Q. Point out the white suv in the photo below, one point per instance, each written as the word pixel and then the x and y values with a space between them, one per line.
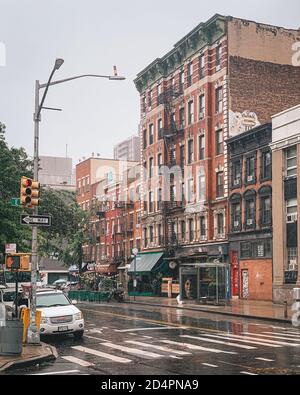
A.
pixel 59 315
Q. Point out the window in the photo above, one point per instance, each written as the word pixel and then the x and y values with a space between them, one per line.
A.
pixel 145 203
pixel 151 134
pixel 190 151
pixel 150 167
pixel 159 199
pixel 291 161
pixel 191 230
pixel 78 187
pixel 158 89
pixel 150 99
pixel 266 210
pixel 190 74
pixel 250 210
pixel 183 230
pixel 201 188
pixel 145 139
pixel 201 106
pixel 182 156
pixel 220 185
pixel 266 165
pixel 256 249
pixel 202 228
pixel 250 170
pixel 190 112
pixel 218 57
pixel 236 174
pixel 292 259
pixel 181 81
pixel 219 100
pixel 151 234
pixel 173 121
pixel 173 232
pixel 173 156
pixel 220 225
pixel 236 215
pixel 191 190
pixel 219 142
pixel 159 162
pixel 202 66
pixel 145 238
pixel 159 129
pixel 144 105
pixel 181 118
pixel 138 218
pixel 202 147
pixel 159 233
pixel 150 202
pixel 138 244
pixel 291 210
pixel 87 184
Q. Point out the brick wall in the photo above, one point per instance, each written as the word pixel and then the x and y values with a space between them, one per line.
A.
pixel 261 87
pixel 260 278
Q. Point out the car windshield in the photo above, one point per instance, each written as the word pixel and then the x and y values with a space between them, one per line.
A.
pixel 52 300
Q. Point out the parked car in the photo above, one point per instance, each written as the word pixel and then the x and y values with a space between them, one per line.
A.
pixel 59 314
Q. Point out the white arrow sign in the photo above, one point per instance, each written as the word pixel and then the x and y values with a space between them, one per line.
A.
pixel 39 220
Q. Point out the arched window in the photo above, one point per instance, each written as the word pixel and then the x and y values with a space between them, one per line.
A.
pixel 236 212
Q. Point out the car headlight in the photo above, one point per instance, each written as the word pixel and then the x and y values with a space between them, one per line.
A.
pixel 78 316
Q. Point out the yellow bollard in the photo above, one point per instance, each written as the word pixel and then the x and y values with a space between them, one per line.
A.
pixel 25 316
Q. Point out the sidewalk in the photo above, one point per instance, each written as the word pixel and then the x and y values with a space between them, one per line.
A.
pixel 31 355
pixel 267 311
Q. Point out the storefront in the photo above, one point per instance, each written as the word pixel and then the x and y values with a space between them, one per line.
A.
pixel 206 282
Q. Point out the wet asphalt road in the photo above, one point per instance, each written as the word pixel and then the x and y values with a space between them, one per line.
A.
pixel 127 339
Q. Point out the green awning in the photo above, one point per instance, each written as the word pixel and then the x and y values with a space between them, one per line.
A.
pixel 145 263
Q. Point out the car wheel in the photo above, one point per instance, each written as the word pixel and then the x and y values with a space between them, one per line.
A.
pixel 78 335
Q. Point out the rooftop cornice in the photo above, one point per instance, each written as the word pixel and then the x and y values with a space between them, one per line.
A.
pixel 202 35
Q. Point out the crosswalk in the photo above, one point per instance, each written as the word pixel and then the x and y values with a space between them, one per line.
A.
pixel 177 346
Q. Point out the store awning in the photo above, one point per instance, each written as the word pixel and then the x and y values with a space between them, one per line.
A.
pixel 145 263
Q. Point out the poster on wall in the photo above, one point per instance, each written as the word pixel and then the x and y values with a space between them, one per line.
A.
pixel 189 286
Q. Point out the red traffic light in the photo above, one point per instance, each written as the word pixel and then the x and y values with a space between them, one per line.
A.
pixel 28 183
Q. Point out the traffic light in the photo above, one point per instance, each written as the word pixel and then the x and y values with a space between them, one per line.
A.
pixel 18 262
pixel 29 192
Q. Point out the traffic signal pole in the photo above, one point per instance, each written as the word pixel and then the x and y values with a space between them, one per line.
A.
pixel 33 336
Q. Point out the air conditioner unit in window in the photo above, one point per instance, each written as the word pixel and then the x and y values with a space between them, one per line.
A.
pixel 250 222
pixel 237 182
pixel 293 267
pixel 202 238
pixel 201 115
pixel 236 224
pixel 250 178
pixel 292 218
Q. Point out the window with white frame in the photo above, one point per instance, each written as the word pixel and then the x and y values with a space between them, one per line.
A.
pixel 219 100
pixel 151 134
pixel 151 167
pixel 201 187
pixel 190 151
pixel 218 56
pixel 190 74
pixel 190 190
pixel 181 81
pixel 190 112
pixel 201 106
pixel 202 66
pixel 220 225
pixel 160 128
pixel 291 161
pixel 202 227
pixel 202 147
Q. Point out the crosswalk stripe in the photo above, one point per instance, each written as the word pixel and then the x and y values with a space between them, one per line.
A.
pixel 244 341
pixel 265 359
pixel 160 348
pixel 78 361
pixel 210 366
pixel 95 338
pixel 147 329
pixel 249 373
pixel 219 342
pixel 52 373
pixel 272 337
pixel 286 334
pixel 194 347
pixel 101 354
pixel 263 340
pixel 134 351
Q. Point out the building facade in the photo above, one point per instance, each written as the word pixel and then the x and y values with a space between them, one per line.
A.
pixel 128 149
pixel 250 214
pixel 225 77
pixel 286 158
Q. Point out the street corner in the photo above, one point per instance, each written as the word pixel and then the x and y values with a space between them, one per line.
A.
pixel 31 355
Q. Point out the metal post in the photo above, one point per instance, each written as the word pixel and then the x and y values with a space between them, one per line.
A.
pixel 16 298
pixel 33 333
pixel 134 281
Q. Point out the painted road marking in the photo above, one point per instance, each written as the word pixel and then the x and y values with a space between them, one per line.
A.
pixel 272 337
pixel 173 356
pixel 160 348
pixel 147 329
pixel 249 374
pixel 263 340
pixel 101 354
pixel 147 337
pixel 265 359
pixel 52 373
pixel 219 342
pixel 286 334
pixel 243 341
pixel 209 365
pixel 78 361
pixel 134 351
pixel 132 334
pixel 95 338
pixel 194 347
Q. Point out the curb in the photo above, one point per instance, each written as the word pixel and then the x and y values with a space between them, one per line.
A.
pixel 224 313
pixel 50 356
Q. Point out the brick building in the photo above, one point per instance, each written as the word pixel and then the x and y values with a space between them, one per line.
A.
pixel 250 213
pixel 223 78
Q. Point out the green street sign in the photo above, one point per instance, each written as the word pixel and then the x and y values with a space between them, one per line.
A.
pixel 15 202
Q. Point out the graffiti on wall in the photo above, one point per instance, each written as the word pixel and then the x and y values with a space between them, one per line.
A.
pixel 241 122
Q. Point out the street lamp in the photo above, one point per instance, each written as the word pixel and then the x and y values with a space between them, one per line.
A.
pixel 33 333
pixel 135 251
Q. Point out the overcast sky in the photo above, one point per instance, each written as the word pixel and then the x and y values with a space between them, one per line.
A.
pixel 91 36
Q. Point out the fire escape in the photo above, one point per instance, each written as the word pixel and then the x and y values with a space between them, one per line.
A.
pixel 170 133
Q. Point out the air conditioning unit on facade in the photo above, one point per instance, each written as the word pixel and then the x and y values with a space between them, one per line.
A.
pixel 237 182
pixel 236 224
pixel 203 238
pixel 293 267
pixel 201 115
pixel 250 222
pixel 290 219
pixel 250 178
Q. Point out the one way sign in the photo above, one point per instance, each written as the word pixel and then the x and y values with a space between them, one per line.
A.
pixel 37 220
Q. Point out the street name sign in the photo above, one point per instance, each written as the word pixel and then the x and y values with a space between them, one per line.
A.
pixel 15 202
pixel 36 220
